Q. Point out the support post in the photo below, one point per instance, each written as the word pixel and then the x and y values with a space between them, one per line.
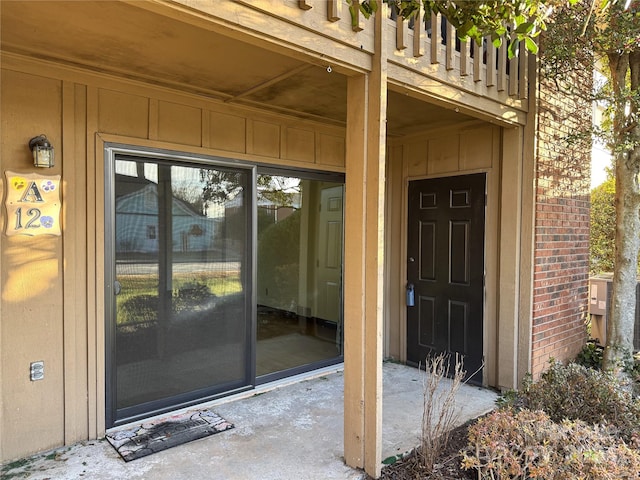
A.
pixel 364 261
pixel 510 257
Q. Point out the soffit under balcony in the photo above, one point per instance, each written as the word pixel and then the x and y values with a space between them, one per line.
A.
pixel 121 39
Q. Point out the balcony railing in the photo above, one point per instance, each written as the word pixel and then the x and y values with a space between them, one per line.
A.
pixel 433 41
pixel 421 45
pixel 428 47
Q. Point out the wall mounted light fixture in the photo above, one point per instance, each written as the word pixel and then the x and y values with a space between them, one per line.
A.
pixel 42 150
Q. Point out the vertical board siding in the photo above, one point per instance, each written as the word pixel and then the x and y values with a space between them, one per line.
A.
pixel 416 154
pixel 179 124
pixel 300 145
pixel 227 132
pixel 477 149
pixel 330 150
pixel 223 129
pixel 264 139
pixel 31 280
pixel 123 114
pixel 444 154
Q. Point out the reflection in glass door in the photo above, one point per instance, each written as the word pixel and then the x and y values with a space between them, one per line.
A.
pixel 299 274
pixel 181 311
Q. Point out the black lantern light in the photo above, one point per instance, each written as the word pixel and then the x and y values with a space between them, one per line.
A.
pixel 42 150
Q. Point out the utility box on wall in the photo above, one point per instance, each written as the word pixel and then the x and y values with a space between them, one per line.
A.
pixel 600 289
pixel 599 299
pixel 599 294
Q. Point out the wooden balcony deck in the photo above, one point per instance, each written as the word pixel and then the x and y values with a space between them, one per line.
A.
pixel 275 55
pixel 413 49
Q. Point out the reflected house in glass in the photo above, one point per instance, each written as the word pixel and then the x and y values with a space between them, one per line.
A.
pixel 137 225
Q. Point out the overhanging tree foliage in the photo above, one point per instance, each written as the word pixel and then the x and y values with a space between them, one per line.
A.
pixel 603 227
pixel 510 20
pixel 609 30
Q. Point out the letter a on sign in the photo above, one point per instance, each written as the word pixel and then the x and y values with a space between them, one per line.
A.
pixel 33 204
pixel 32 194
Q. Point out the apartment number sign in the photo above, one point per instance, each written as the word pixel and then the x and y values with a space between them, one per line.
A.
pixel 33 204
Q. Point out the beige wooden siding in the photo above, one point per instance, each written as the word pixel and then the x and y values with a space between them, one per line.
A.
pixel 75 275
pixel 449 152
pixel 51 287
pixel 31 283
pixel 300 144
pixel 477 149
pixel 227 132
pixel 123 114
pixel 264 139
pixel 179 124
pixel 444 155
pixel 220 128
pixel 330 150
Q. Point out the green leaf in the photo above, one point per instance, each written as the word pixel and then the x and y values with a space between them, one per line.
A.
pixel 524 28
pixel 391 460
pixel 513 46
pixel 531 45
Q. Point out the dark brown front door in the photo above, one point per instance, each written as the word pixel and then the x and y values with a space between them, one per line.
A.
pixel 445 266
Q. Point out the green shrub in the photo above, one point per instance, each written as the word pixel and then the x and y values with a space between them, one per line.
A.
pixel 575 392
pixel 603 224
pixel 591 355
pixel 279 262
pixel 529 445
pixel 634 370
pixel 192 295
pixel 138 309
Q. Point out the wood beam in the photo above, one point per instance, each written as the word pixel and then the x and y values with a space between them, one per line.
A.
pixel 527 232
pixel 364 261
pixel 464 58
pixel 354 271
pixel 450 47
pixel 272 81
pixel 435 37
pixel 491 63
pixel 477 61
pixel 334 10
pixel 509 257
pixel 418 33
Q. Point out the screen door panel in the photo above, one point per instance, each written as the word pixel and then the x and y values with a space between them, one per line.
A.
pixel 181 292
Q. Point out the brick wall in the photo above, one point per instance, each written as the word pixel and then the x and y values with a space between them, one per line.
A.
pixel 561 265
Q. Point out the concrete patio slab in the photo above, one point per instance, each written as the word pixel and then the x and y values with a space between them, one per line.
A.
pixel 293 430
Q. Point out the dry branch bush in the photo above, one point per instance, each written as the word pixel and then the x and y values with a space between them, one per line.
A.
pixel 440 413
pixel 575 392
pixel 529 445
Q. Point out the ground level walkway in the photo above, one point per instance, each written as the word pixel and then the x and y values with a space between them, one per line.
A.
pixel 292 432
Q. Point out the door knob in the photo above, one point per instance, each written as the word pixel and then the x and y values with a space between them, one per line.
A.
pixel 411 259
pixel 117 287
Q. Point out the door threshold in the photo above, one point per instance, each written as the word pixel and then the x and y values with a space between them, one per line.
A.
pixel 248 393
pixel 267 387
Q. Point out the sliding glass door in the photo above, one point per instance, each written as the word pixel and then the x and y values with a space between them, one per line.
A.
pixel 299 273
pixel 217 278
pixel 182 309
